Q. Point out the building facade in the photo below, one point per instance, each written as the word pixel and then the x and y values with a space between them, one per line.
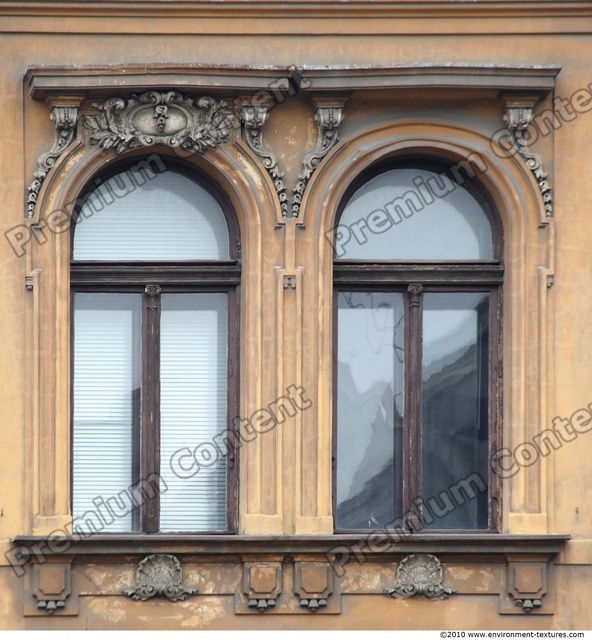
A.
pixel 292 293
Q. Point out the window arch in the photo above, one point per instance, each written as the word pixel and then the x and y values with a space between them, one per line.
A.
pixel 418 273
pixel 457 222
pixel 154 278
pixel 180 220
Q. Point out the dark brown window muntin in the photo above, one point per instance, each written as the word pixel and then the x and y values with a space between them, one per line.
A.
pixel 152 279
pixel 485 276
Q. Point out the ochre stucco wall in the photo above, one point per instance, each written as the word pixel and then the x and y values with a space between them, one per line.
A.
pixel 285 476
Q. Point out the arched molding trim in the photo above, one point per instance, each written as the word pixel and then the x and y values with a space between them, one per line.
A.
pixel 47 258
pixel 529 258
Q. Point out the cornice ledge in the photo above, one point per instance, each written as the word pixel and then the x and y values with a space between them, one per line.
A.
pixel 293 9
pixel 497 546
pixel 43 81
pixel 94 81
pixel 537 79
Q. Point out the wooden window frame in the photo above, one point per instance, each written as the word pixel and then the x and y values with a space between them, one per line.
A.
pixel 414 279
pixel 152 279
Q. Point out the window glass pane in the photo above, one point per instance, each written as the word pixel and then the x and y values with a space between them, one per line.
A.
pixel 455 394
pixel 145 215
pixel 193 409
pixel 107 343
pixel 413 214
pixel 369 408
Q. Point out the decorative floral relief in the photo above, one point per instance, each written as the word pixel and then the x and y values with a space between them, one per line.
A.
pixel 160 117
pixel 419 575
pixel 159 575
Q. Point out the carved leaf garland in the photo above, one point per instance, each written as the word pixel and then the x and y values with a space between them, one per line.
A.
pixel 160 117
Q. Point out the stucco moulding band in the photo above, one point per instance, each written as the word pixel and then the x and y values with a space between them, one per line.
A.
pixel 43 82
pixel 357 16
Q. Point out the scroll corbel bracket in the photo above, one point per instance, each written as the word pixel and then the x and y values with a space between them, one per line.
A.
pixel 328 116
pixel 253 119
pixel 64 115
pixel 517 118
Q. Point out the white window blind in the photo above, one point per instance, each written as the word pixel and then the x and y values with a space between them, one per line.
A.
pixel 193 408
pixel 107 343
pixel 167 217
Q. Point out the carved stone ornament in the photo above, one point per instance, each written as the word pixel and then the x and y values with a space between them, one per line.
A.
pixel 253 120
pixel 328 119
pixel 517 119
pixel 527 584
pixel 51 586
pixel 289 282
pixel 313 583
pixel 262 584
pixel 64 119
pixel 159 575
pixel 152 290
pixel 414 294
pixel 160 117
pixel 419 575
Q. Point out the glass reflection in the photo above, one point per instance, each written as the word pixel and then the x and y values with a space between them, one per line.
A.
pixel 414 214
pixel 369 408
pixel 455 395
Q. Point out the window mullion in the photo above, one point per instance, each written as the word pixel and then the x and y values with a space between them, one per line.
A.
pixel 137 424
pixel 150 422
pixel 412 457
pixel 233 406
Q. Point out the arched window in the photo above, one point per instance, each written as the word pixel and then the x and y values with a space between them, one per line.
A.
pixel 418 273
pixel 154 279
